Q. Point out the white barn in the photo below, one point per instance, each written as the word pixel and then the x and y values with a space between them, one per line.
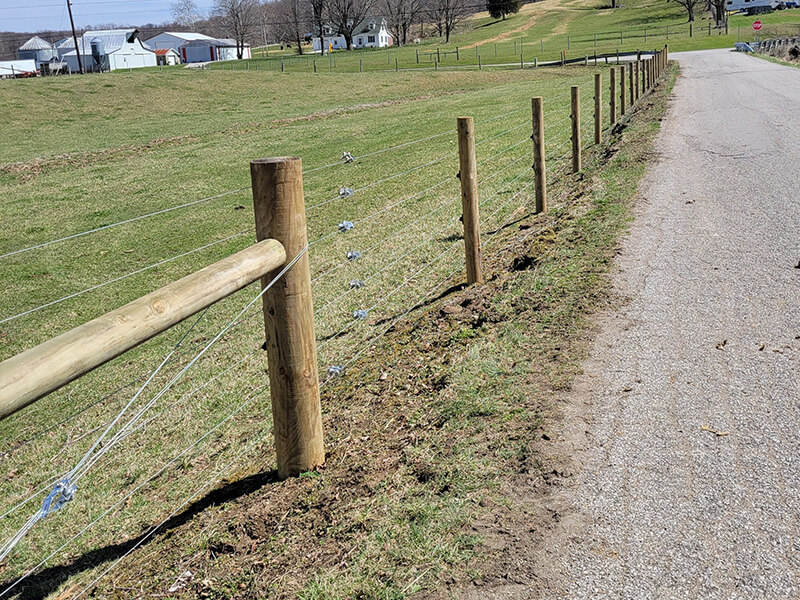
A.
pixel 211 49
pixel 372 32
pixel 107 50
pixel 172 40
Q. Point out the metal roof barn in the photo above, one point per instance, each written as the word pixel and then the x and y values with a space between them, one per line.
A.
pixel 108 50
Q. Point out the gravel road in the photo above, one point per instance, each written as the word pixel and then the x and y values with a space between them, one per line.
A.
pixel 690 483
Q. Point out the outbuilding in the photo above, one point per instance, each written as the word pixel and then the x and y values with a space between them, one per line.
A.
pixel 108 50
pixel 210 50
pixel 172 40
pixel 167 56
pixel 38 50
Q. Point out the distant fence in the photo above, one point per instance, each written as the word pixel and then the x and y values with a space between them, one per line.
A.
pixel 280 259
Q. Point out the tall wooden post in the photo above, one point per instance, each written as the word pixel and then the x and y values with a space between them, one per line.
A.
pixel 576 128
pixel 622 92
pixel 468 174
pixel 289 317
pixel 598 108
pixel 612 117
pixel 631 84
pixel 637 69
pixel 539 170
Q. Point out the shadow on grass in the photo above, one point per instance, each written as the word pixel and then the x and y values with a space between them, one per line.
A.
pixel 48 580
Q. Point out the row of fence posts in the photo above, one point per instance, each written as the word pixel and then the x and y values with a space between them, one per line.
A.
pixel 296 404
pixel 280 219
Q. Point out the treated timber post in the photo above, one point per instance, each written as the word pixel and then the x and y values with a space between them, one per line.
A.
pixel 575 114
pixel 613 97
pixel 637 69
pixel 539 170
pixel 598 108
pixel 468 174
pixel 622 94
pixel 631 84
pixel 289 317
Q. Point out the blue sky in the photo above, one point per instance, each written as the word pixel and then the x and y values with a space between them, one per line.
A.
pixel 36 15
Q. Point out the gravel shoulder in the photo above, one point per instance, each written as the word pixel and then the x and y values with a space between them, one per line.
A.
pixel 684 430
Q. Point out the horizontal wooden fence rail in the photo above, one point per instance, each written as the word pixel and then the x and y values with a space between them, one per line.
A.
pixel 36 372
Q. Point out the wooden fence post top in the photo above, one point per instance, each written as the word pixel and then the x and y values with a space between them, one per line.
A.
pixel 275 160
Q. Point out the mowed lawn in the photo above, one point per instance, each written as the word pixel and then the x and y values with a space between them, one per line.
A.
pixel 82 153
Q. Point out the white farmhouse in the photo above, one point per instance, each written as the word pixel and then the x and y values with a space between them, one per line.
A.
pixel 107 50
pixel 372 32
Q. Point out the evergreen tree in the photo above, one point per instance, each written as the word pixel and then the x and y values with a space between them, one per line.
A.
pixel 501 8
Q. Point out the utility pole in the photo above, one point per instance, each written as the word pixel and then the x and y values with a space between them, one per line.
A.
pixel 75 37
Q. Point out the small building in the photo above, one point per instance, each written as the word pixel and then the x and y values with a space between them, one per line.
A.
pixel 107 50
pixel 167 56
pixel 172 40
pixel 38 50
pixel 211 49
pixel 372 32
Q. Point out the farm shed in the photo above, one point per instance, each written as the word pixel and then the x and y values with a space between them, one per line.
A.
pixel 108 50
pixel 37 49
pixel 211 50
pixel 372 32
pixel 167 56
pixel 172 40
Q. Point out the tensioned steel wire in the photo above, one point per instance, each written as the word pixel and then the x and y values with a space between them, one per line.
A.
pixel 221 195
pixel 403 285
pixel 66 488
pixel 216 476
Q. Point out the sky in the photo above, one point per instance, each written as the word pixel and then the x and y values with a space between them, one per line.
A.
pixel 40 15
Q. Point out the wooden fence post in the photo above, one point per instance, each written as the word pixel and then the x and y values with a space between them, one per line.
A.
pixel 289 317
pixel 637 69
pixel 576 128
pixel 613 97
pixel 468 174
pixel 631 84
pixel 622 91
pixel 598 108
pixel 539 169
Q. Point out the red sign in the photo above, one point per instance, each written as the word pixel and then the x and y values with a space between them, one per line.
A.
pixel 756 25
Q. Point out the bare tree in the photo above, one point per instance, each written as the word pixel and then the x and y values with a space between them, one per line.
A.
pixel 292 18
pixel 400 15
pixel 239 18
pixel 185 13
pixel 689 5
pixel 720 11
pixel 446 14
pixel 346 16
pixel 319 14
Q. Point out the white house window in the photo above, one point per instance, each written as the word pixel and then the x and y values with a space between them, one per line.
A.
pixel 371 39
pixel 360 41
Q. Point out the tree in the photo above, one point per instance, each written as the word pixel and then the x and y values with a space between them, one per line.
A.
pixel 720 11
pixel 319 12
pixel 446 14
pixel 346 16
pixel 501 8
pixel 239 18
pixel 688 5
pixel 400 16
pixel 185 13
pixel 292 18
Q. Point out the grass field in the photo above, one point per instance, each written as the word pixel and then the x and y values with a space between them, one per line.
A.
pixel 122 145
